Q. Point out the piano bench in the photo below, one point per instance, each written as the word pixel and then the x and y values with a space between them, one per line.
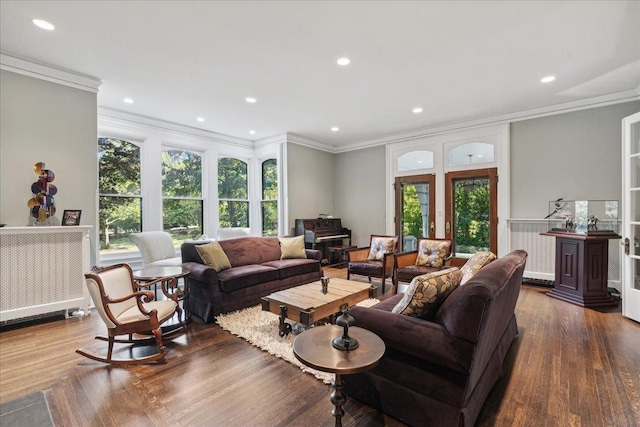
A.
pixel 339 253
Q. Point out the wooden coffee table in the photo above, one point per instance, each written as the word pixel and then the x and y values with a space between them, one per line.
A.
pixel 307 304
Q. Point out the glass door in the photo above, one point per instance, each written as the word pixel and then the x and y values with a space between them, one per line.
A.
pixel 471 211
pixel 631 217
pixel 415 209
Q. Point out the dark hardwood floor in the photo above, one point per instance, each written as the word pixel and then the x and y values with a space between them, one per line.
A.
pixel 569 366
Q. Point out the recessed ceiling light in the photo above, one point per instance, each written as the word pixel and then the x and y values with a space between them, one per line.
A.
pixel 252 132
pixel 335 129
pixel 547 79
pixel 417 110
pixel 43 24
pixel 128 100
pixel 200 119
pixel 250 100
pixel 344 61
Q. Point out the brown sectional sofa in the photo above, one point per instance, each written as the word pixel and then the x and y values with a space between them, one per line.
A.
pixel 256 271
pixel 439 373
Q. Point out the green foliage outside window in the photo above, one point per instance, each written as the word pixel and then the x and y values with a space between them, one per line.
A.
pixel 182 192
pixel 233 193
pixel 269 205
pixel 411 212
pixel 120 201
pixel 471 221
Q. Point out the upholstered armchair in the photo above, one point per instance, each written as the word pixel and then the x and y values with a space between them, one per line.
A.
pixel 127 308
pixel 156 248
pixel 375 260
pixel 431 255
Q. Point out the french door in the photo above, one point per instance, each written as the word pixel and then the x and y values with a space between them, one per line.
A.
pixel 631 216
pixel 471 211
pixel 415 209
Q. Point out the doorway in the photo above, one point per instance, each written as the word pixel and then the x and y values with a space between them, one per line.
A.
pixel 415 202
pixel 471 212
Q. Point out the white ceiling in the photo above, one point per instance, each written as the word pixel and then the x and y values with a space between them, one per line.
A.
pixel 459 61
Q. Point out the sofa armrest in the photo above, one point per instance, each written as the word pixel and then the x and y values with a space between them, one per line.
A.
pixel 425 340
pixel 405 259
pixel 313 254
pixel 358 254
pixel 201 272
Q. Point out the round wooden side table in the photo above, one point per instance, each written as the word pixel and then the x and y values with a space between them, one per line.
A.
pixel 313 348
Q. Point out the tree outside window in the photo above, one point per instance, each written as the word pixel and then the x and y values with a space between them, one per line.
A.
pixel 233 195
pixel 120 200
pixel 182 206
pixel 269 202
pixel 472 225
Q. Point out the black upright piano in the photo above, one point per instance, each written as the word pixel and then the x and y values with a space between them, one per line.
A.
pixel 322 233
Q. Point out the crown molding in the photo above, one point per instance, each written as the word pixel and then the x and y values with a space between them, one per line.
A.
pixel 533 113
pixel 108 114
pixel 49 73
pixel 297 139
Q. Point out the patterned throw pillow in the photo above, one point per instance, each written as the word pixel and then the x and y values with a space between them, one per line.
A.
pixel 474 264
pixel 213 255
pixel 381 246
pixel 427 292
pixel 292 247
pixel 431 253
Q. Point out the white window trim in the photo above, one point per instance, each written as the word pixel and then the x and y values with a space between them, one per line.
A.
pixel 498 135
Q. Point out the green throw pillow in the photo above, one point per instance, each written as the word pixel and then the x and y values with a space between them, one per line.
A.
pixel 213 255
pixel 292 247
pixel 427 292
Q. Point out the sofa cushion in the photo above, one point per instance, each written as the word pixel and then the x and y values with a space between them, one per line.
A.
pixel 294 267
pixel 474 264
pixel 213 255
pixel 251 250
pixel 381 246
pixel 426 293
pixel 245 275
pixel 292 247
pixel 432 253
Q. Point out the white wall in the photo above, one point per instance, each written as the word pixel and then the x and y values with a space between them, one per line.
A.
pixel 41 121
pixel 310 182
pixel 360 192
pixel 574 155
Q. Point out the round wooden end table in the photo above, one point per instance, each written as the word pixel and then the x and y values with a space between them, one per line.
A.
pixel 313 348
pixel 169 281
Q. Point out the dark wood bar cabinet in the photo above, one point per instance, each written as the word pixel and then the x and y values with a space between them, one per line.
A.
pixel 582 262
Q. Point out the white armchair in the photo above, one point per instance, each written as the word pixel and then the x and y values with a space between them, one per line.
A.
pixel 156 248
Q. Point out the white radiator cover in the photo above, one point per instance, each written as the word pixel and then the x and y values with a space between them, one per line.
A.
pixel 525 234
pixel 42 270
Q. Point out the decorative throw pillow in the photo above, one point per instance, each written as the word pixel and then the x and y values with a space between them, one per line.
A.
pixel 292 247
pixel 431 253
pixel 381 246
pixel 474 264
pixel 427 292
pixel 213 255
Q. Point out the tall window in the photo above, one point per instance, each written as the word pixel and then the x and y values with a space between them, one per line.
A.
pixel 233 194
pixel 269 202
pixel 120 204
pixel 182 194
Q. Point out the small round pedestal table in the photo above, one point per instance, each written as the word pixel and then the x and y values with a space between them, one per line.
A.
pixel 166 273
pixel 313 348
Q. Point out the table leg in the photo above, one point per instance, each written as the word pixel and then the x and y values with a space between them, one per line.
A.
pixel 284 328
pixel 338 399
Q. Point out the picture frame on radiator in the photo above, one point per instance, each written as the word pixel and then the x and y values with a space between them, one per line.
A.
pixel 71 217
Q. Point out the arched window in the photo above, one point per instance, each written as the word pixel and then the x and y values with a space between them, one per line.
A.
pixel 120 204
pixel 471 154
pixel 419 159
pixel 269 202
pixel 182 194
pixel 233 194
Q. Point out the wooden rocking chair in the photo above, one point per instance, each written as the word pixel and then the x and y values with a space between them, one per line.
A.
pixel 127 310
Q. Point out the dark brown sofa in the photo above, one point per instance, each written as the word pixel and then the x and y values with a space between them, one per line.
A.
pixel 256 271
pixel 439 373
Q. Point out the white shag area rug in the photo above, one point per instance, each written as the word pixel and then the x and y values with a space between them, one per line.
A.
pixel 260 328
